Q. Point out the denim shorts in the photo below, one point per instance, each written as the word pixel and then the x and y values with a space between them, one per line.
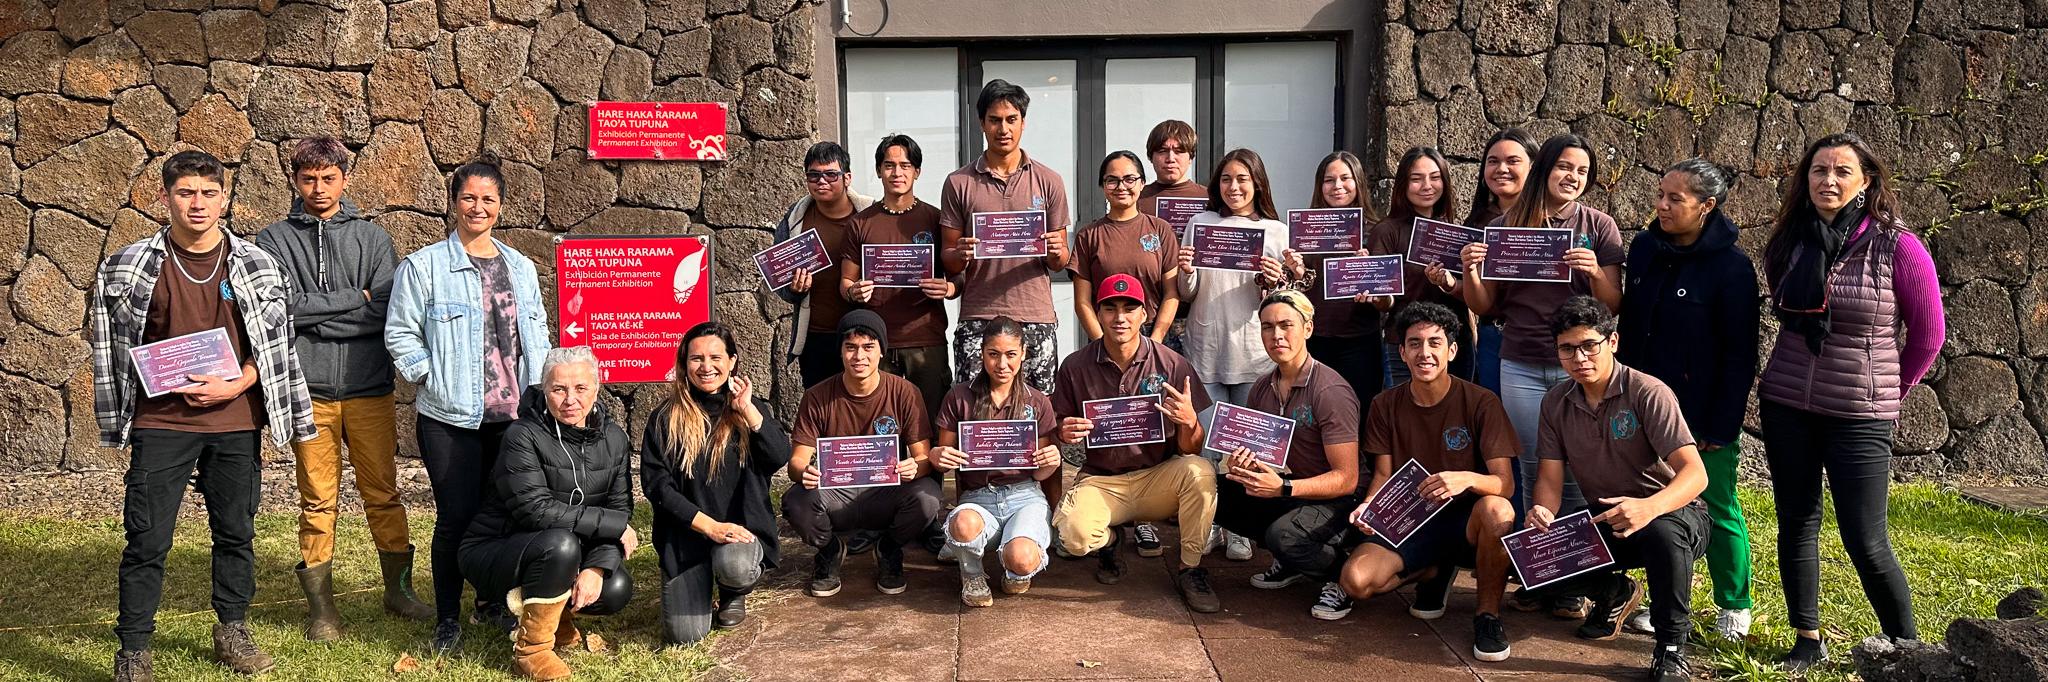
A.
pixel 1008 512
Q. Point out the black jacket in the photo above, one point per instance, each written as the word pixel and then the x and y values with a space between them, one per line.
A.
pixel 532 486
pixel 739 494
pixel 1689 317
pixel 337 332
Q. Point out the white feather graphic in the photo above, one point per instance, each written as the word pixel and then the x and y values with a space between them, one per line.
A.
pixel 686 276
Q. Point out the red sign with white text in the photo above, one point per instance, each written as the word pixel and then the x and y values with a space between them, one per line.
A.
pixel 662 131
pixel 631 299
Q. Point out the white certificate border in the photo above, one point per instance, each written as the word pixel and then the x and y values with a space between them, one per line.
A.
pixel 1596 535
pixel 1165 423
pixel 1400 283
pixel 1286 444
pixel 930 249
pixel 1192 238
pixel 1034 441
pixel 136 362
pixel 1418 527
pixel 800 235
pixel 817 459
pixel 978 241
pixel 1362 228
pixel 1567 270
pixel 1412 227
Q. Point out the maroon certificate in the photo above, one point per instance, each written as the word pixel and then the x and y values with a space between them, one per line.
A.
pixel 164 365
pixel 1130 420
pixel 1326 230
pixel 1009 234
pixel 1228 247
pixel 1527 254
pixel 1267 436
pixel 857 462
pixel 1441 243
pixel 896 265
pixel 779 263
pixel 1179 211
pixel 1374 275
pixel 1573 545
pixel 999 445
pixel 1397 510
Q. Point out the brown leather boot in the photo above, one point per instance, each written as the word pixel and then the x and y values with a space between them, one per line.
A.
pixel 533 644
pixel 323 622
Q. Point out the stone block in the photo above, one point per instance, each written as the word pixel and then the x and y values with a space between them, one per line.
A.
pixel 577 188
pixel 675 15
pixel 623 19
pixel 1584 21
pixel 1802 66
pixel 1649 20
pixel 568 57
pixel 216 127
pixel 43 297
pixel 182 85
pixel 796 44
pixel 358 33
pixel 777 106
pixel 769 166
pixel 1981 320
pixel 683 54
pixel 1462 126
pixel 1397 64
pixel 107 65
pixel 1923 426
pixel 14 224
pixel 400 86
pixel 49 122
pixel 414 24
pixel 262 192
pixel 90 177
pixel 1516 28
pixel 1985 245
pixel 454 126
pixel 80 20
pixel 1444 61
pixel 525 196
pixel 299 35
pixel 232 80
pixel 489 59
pixel 395 171
pixel 738 44
pixel 32 424
pixel 1407 126
pixel 661 184
pixel 233 34
pixel 143 112
pixel 1976 388
pixel 32 62
pixel 629 76
pixel 1577 77
pixel 2007 445
pixel 1881 659
pixel 1927 75
pixel 169 37
pixel 1702 24
pixel 290 103
pixel 522 11
pixel 1866 70
pixel 520 123
pixel 1513 87
pixel 45 358
pixel 70 242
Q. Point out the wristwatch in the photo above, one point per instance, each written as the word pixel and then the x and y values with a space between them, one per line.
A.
pixel 1287 487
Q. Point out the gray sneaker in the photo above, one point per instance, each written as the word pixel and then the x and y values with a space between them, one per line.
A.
pixel 233 647
pixel 974 591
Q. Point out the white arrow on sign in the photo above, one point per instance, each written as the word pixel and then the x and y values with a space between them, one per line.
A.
pixel 574 330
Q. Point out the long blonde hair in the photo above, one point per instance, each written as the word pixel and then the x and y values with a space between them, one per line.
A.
pixel 689 428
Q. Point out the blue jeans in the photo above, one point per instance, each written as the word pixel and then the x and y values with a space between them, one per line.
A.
pixel 1486 356
pixel 1521 394
pixel 1008 512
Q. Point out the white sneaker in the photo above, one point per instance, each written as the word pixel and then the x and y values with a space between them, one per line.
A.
pixel 1215 540
pixel 1732 623
pixel 1640 622
pixel 1237 547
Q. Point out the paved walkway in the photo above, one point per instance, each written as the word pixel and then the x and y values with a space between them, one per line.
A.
pixel 1070 627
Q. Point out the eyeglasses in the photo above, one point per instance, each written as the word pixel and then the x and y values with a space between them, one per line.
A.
pixel 827 177
pixel 1588 349
pixel 1115 181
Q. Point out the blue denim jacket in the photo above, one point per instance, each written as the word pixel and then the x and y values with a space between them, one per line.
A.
pixel 435 328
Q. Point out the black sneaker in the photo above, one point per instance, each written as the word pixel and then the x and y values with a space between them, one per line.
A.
pixel 1433 594
pixel 889 567
pixel 1806 653
pixel 825 569
pixel 1193 584
pixel 1148 540
pixel 1277 577
pixel 1611 608
pixel 1332 604
pixel 935 536
pixel 1670 664
pixel 862 541
pixel 1568 607
pixel 495 613
pixel 447 635
pixel 1489 638
pixel 1110 570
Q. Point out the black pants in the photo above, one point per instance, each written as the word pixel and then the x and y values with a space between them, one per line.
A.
pixel 1665 550
pixel 1357 359
pixel 458 463
pixel 1309 536
pixel 820 359
pixel 1857 456
pixel 902 510
pixel 543 565
pixel 160 464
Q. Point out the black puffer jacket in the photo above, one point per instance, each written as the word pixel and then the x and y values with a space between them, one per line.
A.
pixel 534 485
pixel 1689 317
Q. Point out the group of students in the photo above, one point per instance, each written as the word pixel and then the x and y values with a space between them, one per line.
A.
pixel 1620 393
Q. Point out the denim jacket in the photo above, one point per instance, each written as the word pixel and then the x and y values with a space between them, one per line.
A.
pixel 435 328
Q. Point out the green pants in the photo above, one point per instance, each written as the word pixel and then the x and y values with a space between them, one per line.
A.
pixel 1728 543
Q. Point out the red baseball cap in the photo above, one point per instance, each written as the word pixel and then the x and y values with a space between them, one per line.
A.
pixel 1119 286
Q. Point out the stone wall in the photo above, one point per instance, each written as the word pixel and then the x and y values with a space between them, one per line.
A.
pixel 1953 92
pixel 98 92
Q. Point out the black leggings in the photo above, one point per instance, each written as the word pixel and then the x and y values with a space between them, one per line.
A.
pixel 1857 456
pixel 543 564
pixel 458 463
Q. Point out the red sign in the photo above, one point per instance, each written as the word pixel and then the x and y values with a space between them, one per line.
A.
pixel 668 131
pixel 631 299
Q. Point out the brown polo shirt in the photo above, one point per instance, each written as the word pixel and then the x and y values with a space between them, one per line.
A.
pixel 1391 237
pixel 827 306
pixel 1148 196
pixel 1525 307
pixel 1143 247
pixel 1324 410
pixel 1020 288
pixel 1025 403
pixel 1458 433
pixel 1088 374
pixel 178 307
pixel 1619 448
pixel 827 410
pixel 914 320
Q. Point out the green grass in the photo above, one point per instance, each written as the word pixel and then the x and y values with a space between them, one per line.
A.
pixel 57 595
pixel 1960 557
pixel 57 602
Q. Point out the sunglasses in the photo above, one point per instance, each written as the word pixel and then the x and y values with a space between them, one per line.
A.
pixel 829 176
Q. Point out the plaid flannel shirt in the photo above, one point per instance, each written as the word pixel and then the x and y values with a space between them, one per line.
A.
pixel 119 309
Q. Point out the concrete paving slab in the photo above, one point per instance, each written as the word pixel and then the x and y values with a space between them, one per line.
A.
pixel 1335 657
pixel 1540 644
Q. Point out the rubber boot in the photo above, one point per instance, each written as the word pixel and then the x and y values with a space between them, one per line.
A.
pixel 323 622
pixel 399 599
pixel 533 644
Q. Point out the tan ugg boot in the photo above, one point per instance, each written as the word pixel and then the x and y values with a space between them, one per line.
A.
pixel 533 644
pixel 566 634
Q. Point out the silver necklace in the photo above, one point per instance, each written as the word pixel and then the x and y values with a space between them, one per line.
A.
pixel 188 275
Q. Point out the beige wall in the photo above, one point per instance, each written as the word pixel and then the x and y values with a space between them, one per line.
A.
pixel 952 21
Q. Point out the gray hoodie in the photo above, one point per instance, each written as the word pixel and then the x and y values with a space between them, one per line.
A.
pixel 337 330
pixel 792 224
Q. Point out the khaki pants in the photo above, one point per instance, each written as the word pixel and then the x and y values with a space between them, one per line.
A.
pixel 370 428
pixel 1182 487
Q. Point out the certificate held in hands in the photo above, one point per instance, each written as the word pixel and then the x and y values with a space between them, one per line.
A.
pixel 1440 243
pixel 1228 247
pixel 896 265
pixel 1370 275
pixel 163 366
pixel 999 445
pixel 1527 254
pixel 1267 436
pixel 1573 545
pixel 1130 420
pixel 779 263
pixel 1179 211
pixel 857 462
pixel 1009 234
pixel 1326 230
pixel 1398 509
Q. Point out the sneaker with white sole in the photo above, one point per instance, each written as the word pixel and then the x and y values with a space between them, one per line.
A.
pixel 1732 623
pixel 1641 622
pixel 1332 604
pixel 1215 540
pixel 1489 638
pixel 1148 540
pixel 1277 577
pixel 1236 547
pixel 1433 596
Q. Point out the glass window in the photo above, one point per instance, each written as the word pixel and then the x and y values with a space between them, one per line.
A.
pixel 909 91
pixel 1137 95
pixel 1050 135
pixel 1278 101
